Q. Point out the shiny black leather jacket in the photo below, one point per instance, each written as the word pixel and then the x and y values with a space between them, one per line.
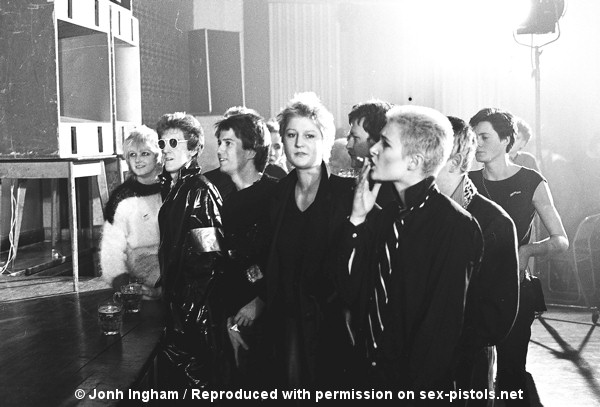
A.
pixel 190 249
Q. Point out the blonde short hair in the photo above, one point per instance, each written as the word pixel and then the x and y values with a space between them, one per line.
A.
pixel 308 104
pixel 425 131
pixel 142 136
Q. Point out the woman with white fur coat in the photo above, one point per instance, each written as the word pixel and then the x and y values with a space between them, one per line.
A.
pixel 130 235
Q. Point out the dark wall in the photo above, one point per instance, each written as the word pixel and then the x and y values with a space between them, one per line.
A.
pixel 223 66
pixel 28 92
pixel 256 56
pixel 164 53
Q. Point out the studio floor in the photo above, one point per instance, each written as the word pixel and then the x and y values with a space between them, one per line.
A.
pixel 564 358
pixel 564 352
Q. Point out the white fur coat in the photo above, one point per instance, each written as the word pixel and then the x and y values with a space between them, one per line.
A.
pixel 130 236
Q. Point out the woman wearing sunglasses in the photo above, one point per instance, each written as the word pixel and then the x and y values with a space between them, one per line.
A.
pixel 190 256
pixel 309 204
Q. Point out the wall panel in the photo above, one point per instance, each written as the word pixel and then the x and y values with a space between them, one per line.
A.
pixel 164 53
pixel 304 53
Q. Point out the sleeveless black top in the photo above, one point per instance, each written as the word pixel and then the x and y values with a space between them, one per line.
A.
pixel 514 195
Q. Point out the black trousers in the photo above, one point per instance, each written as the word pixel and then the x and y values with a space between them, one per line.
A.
pixel 474 373
pixel 512 351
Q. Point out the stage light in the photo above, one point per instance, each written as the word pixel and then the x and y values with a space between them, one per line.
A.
pixel 517 11
pixel 543 17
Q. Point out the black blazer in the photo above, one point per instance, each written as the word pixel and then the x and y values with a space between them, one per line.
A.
pixel 493 294
pixel 333 205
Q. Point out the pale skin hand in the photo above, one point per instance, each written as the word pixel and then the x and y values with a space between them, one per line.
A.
pixel 249 312
pixel 364 197
pixel 245 317
pixel 557 242
pixel 236 340
pixel 148 294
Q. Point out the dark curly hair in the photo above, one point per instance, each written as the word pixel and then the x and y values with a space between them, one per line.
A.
pixel 373 112
pixel 502 121
pixel 189 126
pixel 250 129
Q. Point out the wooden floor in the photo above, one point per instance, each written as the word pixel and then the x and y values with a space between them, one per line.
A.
pixel 564 358
pixel 564 352
pixel 39 270
pixel 33 287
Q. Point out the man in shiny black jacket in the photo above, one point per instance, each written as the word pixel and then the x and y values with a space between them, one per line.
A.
pixel 190 256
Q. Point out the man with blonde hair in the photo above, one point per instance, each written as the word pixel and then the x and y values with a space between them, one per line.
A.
pixel 405 268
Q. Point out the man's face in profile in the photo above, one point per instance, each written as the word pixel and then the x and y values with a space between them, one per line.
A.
pixel 358 143
pixel 389 163
pixel 276 150
pixel 489 144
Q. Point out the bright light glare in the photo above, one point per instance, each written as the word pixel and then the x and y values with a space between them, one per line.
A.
pixel 507 14
pixel 517 11
pixel 442 24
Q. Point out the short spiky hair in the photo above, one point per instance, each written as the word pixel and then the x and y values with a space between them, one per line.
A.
pixel 308 104
pixel 250 129
pixel 373 112
pixel 465 142
pixel 189 126
pixel 502 121
pixel 424 131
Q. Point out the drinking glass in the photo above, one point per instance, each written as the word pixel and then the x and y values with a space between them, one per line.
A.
pixel 131 297
pixel 110 317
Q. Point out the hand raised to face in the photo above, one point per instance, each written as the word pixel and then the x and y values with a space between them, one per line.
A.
pixel 364 196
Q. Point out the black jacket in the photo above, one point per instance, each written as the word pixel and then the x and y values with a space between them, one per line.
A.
pixel 408 270
pixel 248 237
pixel 334 207
pixel 318 314
pixel 190 243
pixel 493 295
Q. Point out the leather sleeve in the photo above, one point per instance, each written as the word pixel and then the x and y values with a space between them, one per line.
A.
pixel 204 242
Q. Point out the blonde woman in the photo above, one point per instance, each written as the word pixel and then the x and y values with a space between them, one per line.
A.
pixel 306 322
pixel 130 235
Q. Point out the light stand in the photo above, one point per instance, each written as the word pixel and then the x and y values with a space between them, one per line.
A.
pixel 537 52
pixel 543 19
pixel 538 105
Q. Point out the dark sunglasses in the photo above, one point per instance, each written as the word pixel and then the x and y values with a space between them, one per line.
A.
pixel 172 142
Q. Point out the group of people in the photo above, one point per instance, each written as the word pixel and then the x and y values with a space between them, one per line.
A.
pixel 406 277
